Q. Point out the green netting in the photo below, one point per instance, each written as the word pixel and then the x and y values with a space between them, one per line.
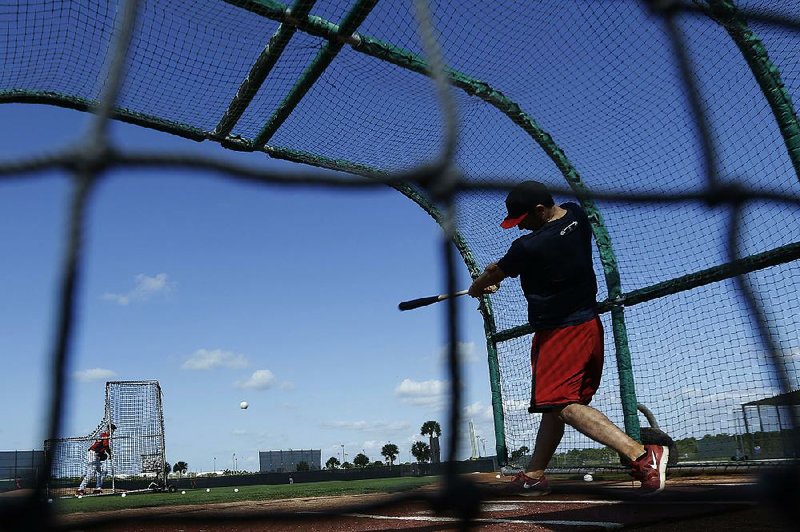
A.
pixel 583 93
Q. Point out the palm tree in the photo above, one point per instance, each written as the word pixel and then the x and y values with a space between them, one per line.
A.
pixel 431 429
pixel 421 451
pixel 361 460
pixel 520 452
pixel 390 452
pixel 180 468
pixel 332 463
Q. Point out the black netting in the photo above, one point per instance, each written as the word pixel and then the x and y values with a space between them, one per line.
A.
pixel 587 94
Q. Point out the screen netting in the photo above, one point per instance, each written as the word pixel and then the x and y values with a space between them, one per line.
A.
pixel 69 461
pixel 136 409
pixel 137 444
pixel 672 122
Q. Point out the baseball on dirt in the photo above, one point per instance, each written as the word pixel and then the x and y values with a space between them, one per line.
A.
pixel 243 405
pixel 587 477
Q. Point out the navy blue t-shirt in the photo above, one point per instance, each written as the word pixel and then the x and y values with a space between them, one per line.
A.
pixel 554 264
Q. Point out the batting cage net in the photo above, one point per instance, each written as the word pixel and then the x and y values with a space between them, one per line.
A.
pixel 137 458
pixel 672 123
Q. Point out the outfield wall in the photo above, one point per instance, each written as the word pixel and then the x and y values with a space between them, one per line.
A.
pixel 286 461
pixel 482 465
pixel 19 467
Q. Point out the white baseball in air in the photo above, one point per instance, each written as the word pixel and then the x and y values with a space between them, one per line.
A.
pixel 208 490
pixel 587 477
pixel 243 405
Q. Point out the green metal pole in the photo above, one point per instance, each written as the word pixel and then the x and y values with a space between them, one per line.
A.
pixel 766 73
pixel 260 70
pixel 314 70
pixel 469 259
pixel 514 112
pixel 745 265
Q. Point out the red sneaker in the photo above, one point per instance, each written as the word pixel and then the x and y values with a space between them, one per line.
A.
pixel 524 485
pixel 651 469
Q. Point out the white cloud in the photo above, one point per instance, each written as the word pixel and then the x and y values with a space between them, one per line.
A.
pixel 479 411
pixel 216 358
pixel 94 374
pixel 261 379
pixel 422 393
pixel 690 391
pixel 607 396
pixel 373 445
pixel 367 426
pixel 145 287
pixel 736 398
pixel 332 450
pixel 514 405
pixel 467 352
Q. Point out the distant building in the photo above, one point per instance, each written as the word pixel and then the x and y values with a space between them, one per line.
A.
pixel 286 461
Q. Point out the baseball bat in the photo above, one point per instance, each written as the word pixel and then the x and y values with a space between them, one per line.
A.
pixel 425 301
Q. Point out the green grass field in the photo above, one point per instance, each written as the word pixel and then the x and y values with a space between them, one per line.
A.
pixel 245 493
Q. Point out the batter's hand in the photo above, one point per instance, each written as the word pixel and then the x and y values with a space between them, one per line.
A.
pixel 491 289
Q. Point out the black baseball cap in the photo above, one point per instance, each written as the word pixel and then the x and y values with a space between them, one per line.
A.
pixel 522 199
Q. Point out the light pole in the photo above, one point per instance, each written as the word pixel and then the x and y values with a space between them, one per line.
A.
pixel 342 453
pixel 215 464
pixel 234 462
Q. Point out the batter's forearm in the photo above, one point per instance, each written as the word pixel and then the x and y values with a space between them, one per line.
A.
pixel 491 276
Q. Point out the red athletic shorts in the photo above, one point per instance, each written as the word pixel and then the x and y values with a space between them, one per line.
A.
pixel 566 365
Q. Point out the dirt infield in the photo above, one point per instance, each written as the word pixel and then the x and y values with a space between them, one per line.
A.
pixel 689 504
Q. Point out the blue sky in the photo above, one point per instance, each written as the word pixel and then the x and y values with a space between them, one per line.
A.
pixel 226 292
pixel 287 298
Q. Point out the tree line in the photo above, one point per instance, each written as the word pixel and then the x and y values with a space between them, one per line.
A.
pixel 420 450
